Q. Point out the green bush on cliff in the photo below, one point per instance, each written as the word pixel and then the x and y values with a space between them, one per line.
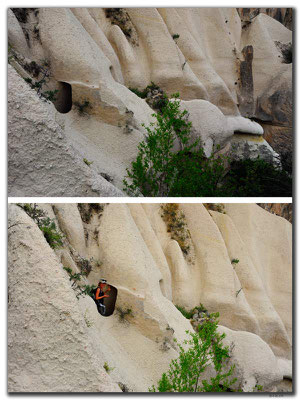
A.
pixel 46 225
pixel 254 178
pixel 204 347
pixel 159 171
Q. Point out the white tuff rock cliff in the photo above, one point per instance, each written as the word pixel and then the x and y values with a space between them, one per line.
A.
pixel 58 343
pixel 225 72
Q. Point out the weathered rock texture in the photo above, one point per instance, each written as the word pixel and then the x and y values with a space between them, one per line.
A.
pixel 284 210
pixel 92 56
pixel 59 343
pixel 283 15
pixel 40 158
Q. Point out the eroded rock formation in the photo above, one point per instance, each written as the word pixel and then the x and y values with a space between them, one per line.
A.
pixel 284 210
pixel 223 70
pixel 57 342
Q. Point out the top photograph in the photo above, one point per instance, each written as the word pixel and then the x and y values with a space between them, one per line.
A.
pixel 150 102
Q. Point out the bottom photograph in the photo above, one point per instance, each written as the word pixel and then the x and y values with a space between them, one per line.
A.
pixel 150 297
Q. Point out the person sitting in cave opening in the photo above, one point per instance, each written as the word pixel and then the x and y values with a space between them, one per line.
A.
pixel 101 294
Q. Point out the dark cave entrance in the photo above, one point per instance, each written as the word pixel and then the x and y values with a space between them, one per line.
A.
pixel 63 104
pixel 110 301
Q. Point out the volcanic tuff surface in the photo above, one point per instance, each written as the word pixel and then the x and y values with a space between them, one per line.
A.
pixel 226 70
pixel 58 343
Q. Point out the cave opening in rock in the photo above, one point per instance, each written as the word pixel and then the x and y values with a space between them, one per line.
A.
pixel 110 301
pixel 63 104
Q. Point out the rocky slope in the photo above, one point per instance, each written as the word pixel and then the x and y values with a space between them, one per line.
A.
pixel 155 256
pixel 281 209
pixel 234 79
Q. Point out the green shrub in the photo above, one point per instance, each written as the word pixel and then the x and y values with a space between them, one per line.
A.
pixel 53 237
pixel 257 178
pixel 141 94
pixel 156 168
pixel 187 314
pixel 175 36
pixel 205 347
pixel 51 95
pixel 46 225
pixel 86 290
pixel 35 69
pixel 160 171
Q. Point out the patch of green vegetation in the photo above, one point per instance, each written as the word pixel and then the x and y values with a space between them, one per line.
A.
pixel 38 85
pixel 235 261
pixel 88 163
pixel 257 178
pixel 189 313
pixel 50 95
pixel 203 348
pixel 142 94
pixel 75 278
pixel 53 237
pixel 175 36
pixel 159 171
pixel 107 367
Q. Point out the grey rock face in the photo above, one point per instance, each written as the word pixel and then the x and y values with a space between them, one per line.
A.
pixel 41 161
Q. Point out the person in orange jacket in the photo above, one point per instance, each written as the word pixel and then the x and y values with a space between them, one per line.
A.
pixel 101 294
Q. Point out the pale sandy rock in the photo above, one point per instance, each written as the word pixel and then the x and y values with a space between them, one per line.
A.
pixel 154 246
pixel 255 363
pixel 276 30
pixel 286 367
pixel 100 39
pixel 244 125
pixel 269 325
pixel 49 349
pixel 110 148
pixel 208 124
pixel 267 61
pixel 15 34
pixel 151 274
pixel 271 256
pixel 40 158
pixel 130 66
pixel 72 51
pixel 70 223
pixel 193 25
pixel 92 58
pixel 284 210
pixel 215 129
